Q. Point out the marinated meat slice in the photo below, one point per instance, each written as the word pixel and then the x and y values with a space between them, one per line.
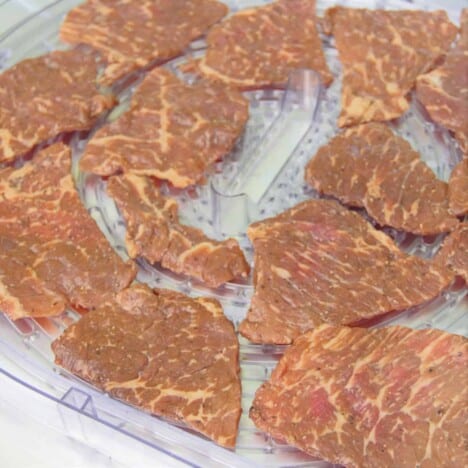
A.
pixel 321 263
pixel 444 91
pixel 259 47
pixel 172 131
pixel 454 252
pixel 163 352
pixel 458 189
pixel 52 253
pixel 154 233
pixel 43 97
pixel 368 166
pixel 370 398
pixel 382 53
pixel 131 35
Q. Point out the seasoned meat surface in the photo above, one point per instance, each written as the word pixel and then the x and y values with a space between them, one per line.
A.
pixel 52 253
pixel 155 233
pixel 370 398
pixel 132 35
pixel 454 252
pixel 43 97
pixel 382 53
pixel 258 47
pixel 164 352
pixel 321 263
pixel 368 166
pixel 172 131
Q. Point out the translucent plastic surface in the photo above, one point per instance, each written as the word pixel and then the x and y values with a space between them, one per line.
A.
pixel 262 177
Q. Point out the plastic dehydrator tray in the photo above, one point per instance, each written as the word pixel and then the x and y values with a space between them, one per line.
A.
pixel 260 178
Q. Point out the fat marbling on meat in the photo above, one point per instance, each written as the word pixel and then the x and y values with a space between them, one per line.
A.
pixel 155 233
pixel 164 352
pixel 320 263
pixel 444 91
pixel 259 47
pixel 454 252
pixel 172 131
pixel 371 398
pixel 45 96
pixel 52 253
pixel 132 35
pixel 370 167
pixel 382 53
pixel 458 189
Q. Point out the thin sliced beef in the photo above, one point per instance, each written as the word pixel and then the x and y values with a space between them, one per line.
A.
pixel 370 167
pixel 154 233
pixel 164 352
pixel 173 131
pixel 371 398
pixel 444 91
pixel 43 97
pixel 454 252
pixel 258 47
pixel 382 53
pixel 132 35
pixel 458 189
pixel 52 252
pixel 321 263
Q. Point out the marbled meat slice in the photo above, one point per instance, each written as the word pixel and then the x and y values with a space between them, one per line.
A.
pixel 458 189
pixel 132 35
pixel 321 263
pixel 371 398
pixel 369 166
pixel 454 252
pixel 259 47
pixel 43 97
pixel 382 53
pixel 172 131
pixel 444 91
pixel 52 252
pixel 155 233
pixel 164 352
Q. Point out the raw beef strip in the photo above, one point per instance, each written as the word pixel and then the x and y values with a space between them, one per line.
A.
pixel 172 131
pixel 163 352
pixel 444 91
pixel 454 251
pixel 458 189
pixel 131 35
pixel 259 47
pixel 371 398
pixel 154 233
pixel 368 166
pixel 52 252
pixel 48 95
pixel 382 53
pixel 321 263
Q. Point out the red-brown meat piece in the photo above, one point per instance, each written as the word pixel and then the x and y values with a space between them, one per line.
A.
pixel 371 398
pixel 52 252
pixel 172 131
pixel 368 166
pixel 321 263
pixel 458 189
pixel 454 252
pixel 444 91
pixel 258 47
pixel 382 53
pixel 132 35
pixel 154 233
pixel 164 352
pixel 48 95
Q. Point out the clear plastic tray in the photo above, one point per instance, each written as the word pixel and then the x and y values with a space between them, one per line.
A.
pixel 262 177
